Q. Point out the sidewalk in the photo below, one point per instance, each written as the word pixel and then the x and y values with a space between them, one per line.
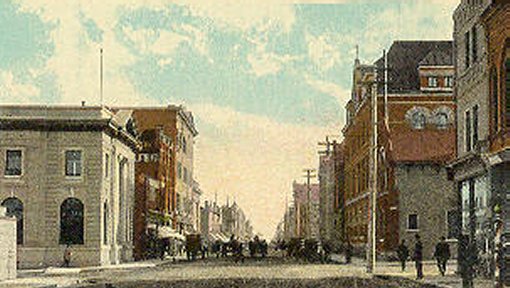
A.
pixel 61 277
pixel 430 271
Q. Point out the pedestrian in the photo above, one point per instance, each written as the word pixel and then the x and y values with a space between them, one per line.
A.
pixel 468 260
pixel 403 254
pixel 67 255
pixel 442 254
pixel 348 252
pixel 418 257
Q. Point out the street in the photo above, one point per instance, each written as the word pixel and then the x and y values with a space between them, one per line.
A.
pixel 275 271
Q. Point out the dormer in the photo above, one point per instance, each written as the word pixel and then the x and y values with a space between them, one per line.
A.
pixel 436 72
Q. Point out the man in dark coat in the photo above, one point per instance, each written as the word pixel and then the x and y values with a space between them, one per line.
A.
pixel 442 254
pixel 403 254
pixel 418 257
pixel 348 252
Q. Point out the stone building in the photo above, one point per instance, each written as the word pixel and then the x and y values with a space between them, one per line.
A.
pixel 482 167
pixel 234 222
pixel 177 124
pixel 331 194
pixel 195 207
pixel 289 224
pixel 7 245
pixel 306 209
pixel 416 137
pixel 210 222
pixel 67 175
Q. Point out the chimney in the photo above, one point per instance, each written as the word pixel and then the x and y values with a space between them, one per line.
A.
pixel 82 103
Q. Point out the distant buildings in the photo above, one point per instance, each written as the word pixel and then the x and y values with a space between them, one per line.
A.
pixel 67 174
pixel 331 180
pixel 234 222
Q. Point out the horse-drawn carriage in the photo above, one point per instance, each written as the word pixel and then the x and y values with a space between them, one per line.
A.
pixel 193 246
pixel 257 246
pixel 307 249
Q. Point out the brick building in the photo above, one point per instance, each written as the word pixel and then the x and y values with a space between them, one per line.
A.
pixel 482 167
pixel 177 177
pixel 416 137
pixel 153 209
pixel 67 176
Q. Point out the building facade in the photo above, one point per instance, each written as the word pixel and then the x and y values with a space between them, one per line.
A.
pixel 152 211
pixel 177 124
pixel 482 169
pixel 416 132
pixel 331 195
pixel 67 175
pixel 306 209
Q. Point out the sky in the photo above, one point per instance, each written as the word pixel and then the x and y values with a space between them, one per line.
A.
pixel 266 80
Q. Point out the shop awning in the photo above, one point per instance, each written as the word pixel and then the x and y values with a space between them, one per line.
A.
pixel 166 232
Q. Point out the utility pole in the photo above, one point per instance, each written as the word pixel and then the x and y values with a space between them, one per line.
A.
pixel 308 176
pixel 371 239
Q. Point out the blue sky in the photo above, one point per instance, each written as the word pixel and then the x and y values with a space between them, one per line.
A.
pixel 270 77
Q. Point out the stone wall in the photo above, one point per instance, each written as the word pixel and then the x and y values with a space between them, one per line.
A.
pixel 7 246
pixel 425 190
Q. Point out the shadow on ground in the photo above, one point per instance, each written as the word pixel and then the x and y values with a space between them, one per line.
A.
pixel 348 282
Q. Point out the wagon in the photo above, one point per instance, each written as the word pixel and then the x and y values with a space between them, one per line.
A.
pixel 193 246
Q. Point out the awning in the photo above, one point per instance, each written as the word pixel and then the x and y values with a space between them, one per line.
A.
pixel 224 237
pixel 166 232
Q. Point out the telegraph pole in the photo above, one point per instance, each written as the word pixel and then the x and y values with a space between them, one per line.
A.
pixel 308 176
pixel 371 239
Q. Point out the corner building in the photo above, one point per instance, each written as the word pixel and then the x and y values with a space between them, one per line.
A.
pixel 482 167
pixel 416 138
pixel 66 174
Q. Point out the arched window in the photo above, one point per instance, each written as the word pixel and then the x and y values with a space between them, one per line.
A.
pixel 71 221
pixel 495 99
pixel 15 209
pixel 442 120
pixel 418 120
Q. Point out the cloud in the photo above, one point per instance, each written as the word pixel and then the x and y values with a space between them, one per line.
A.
pixel 12 91
pixel 322 51
pixel 341 95
pixel 244 15
pixel 254 158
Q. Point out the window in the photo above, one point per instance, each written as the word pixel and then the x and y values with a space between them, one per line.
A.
pixel 412 222
pixel 14 208
pixel 475 125
pixel 13 163
pixel 105 222
pixel 106 164
pixel 448 81
pixel 179 170
pixel 432 81
pixel 442 120
pixel 185 175
pixel 184 144
pixel 474 41
pixel 73 163
pixel 507 78
pixel 418 120
pixel 468 131
pixel 495 99
pixel 71 222
pixel 466 49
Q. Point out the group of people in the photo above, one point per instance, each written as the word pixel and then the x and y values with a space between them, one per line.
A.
pixel 441 254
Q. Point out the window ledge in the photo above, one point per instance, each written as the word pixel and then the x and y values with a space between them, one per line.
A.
pixel 412 230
